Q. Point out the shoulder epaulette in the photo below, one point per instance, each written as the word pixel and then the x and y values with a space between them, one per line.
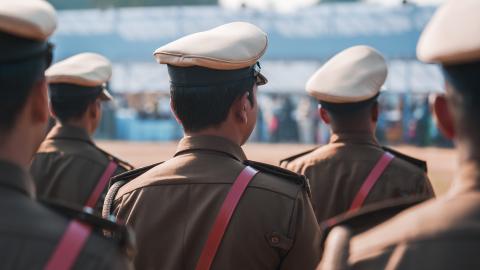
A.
pixel 117 182
pixel 289 159
pixel 280 172
pixel 370 215
pixel 416 162
pixel 119 233
pixel 120 162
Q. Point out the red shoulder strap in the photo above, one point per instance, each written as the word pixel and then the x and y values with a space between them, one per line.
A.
pixel 370 181
pixel 223 218
pixel 97 191
pixel 76 234
pixel 69 247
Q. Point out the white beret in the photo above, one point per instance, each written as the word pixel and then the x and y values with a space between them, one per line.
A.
pixel 353 75
pixel 453 34
pixel 230 46
pixel 31 19
pixel 85 69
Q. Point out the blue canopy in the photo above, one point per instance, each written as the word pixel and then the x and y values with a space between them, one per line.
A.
pixel 317 33
pixel 299 42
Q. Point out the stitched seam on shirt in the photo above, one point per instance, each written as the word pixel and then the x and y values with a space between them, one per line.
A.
pixel 175 184
pixel 290 229
pixel 90 160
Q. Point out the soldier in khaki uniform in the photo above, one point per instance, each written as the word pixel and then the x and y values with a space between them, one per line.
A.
pixel 442 233
pixel 177 208
pixel 68 165
pixel 33 235
pixel 354 169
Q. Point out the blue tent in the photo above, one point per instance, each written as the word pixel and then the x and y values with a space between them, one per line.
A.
pixel 299 42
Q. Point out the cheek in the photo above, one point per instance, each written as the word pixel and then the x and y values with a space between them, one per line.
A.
pixel 254 115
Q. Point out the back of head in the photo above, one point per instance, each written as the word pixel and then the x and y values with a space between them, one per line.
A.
pixel 459 55
pixel 206 104
pixel 210 70
pixel 77 82
pixel 348 114
pixel 347 86
pixel 24 53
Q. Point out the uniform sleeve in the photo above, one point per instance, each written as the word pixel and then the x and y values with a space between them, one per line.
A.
pixel 305 251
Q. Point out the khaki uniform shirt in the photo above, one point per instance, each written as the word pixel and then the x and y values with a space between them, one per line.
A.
pixel 172 208
pixel 30 232
pixel 439 234
pixel 68 166
pixel 337 171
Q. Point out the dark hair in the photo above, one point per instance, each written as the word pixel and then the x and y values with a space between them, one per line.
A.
pixel 16 83
pixel 465 78
pixel 22 65
pixel 205 106
pixel 70 102
pixel 349 109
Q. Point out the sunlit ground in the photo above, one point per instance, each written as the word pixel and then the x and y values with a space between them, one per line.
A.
pixel 441 162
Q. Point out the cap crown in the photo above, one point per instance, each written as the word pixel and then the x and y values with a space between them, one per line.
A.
pixel 85 69
pixel 453 34
pixel 231 46
pixel 31 19
pixel 353 75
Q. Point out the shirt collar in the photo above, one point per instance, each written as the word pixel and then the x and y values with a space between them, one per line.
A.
pixel 210 143
pixel 14 177
pixel 68 132
pixel 354 138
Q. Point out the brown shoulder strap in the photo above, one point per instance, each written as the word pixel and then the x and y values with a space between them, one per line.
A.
pixel 223 218
pixel 370 181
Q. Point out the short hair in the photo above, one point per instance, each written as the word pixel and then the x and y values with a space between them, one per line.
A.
pixel 340 110
pixel 17 80
pixel 465 78
pixel 200 107
pixel 67 107
pixel 22 65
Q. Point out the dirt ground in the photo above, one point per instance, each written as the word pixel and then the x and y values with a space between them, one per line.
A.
pixel 441 162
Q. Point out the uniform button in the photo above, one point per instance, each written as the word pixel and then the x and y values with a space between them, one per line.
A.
pixel 275 240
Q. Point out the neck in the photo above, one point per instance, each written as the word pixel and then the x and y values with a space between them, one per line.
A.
pixel 364 129
pixel 16 148
pixel 353 125
pixel 81 123
pixel 222 131
pixel 468 162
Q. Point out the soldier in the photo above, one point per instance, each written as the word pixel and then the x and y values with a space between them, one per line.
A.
pixel 353 169
pixel 441 233
pixel 69 166
pixel 33 235
pixel 184 211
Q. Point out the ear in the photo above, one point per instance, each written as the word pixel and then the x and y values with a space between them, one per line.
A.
pixel 52 113
pixel 324 115
pixel 375 112
pixel 443 117
pixel 240 107
pixel 172 108
pixel 39 102
pixel 94 109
